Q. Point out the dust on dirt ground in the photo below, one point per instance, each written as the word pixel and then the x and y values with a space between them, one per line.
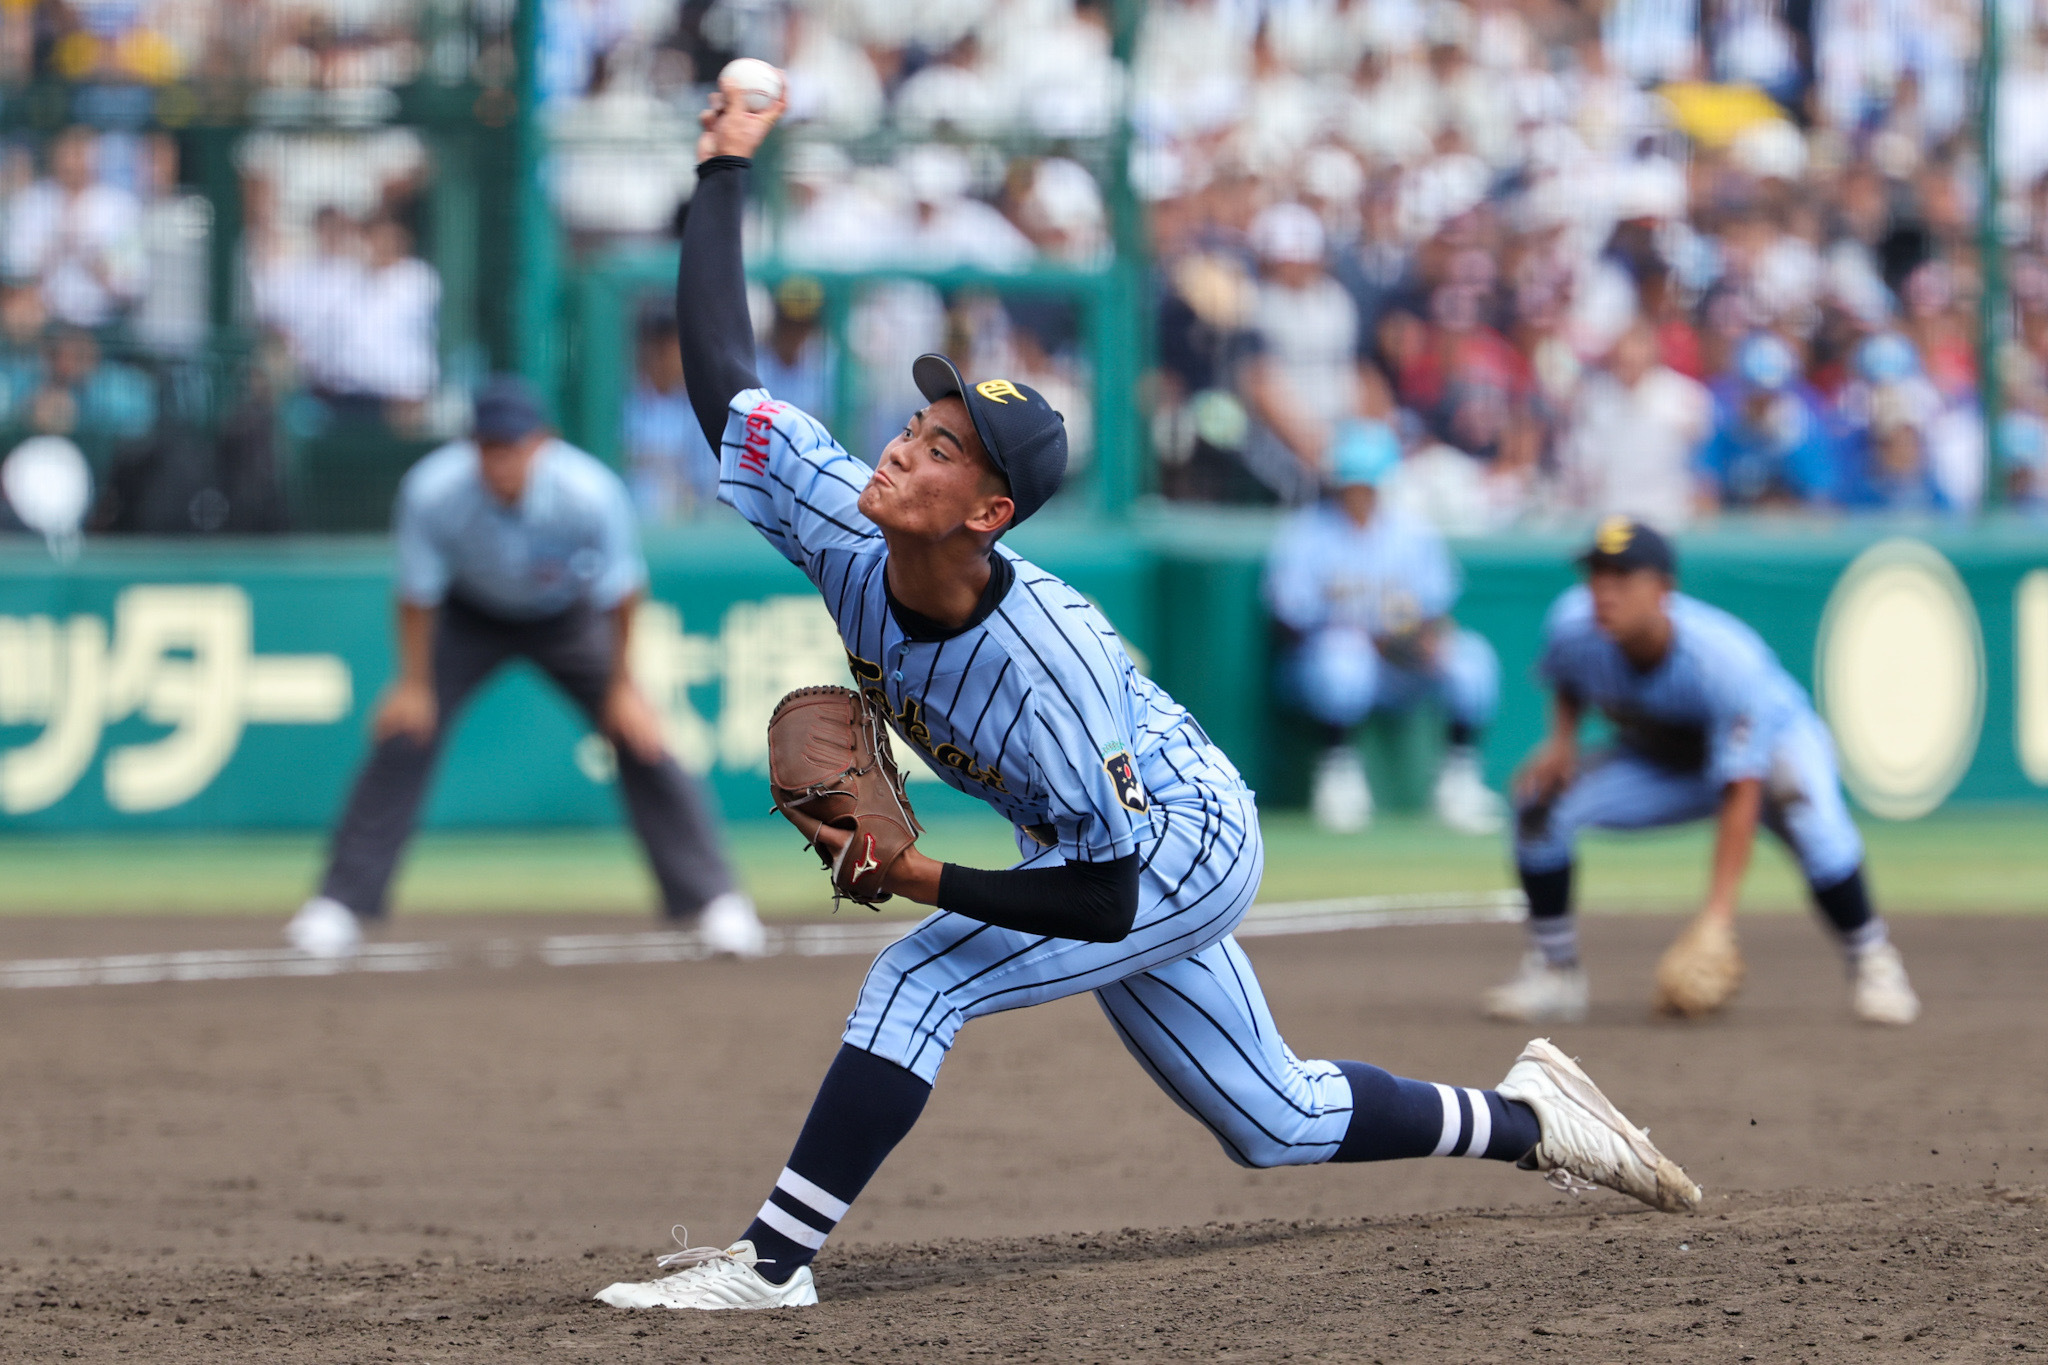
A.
pixel 444 1166
pixel 1889 1274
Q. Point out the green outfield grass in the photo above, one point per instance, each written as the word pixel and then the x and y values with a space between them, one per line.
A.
pixel 1984 859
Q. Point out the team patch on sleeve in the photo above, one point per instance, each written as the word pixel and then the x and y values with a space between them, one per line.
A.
pixel 1123 772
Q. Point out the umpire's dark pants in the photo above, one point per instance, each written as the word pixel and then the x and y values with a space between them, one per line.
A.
pixel 670 812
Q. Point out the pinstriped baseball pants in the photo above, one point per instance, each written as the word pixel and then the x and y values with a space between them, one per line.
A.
pixel 1178 990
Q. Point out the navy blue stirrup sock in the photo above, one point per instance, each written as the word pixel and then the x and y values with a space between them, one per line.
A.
pixel 1553 930
pixel 1392 1117
pixel 865 1106
pixel 1847 907
pixel 1549 893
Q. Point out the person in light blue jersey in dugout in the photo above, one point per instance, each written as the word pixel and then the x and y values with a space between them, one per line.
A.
pixel 1365 593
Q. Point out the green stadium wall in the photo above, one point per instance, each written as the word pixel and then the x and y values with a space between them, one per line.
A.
pixel 229 685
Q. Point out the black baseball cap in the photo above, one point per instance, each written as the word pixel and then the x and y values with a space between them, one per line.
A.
pixel 507 409
pixel 1623 544
pixel 1021 432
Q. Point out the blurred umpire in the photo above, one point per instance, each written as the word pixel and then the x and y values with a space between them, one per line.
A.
pixel 515 544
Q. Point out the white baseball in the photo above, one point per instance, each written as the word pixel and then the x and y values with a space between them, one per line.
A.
pixel 759 82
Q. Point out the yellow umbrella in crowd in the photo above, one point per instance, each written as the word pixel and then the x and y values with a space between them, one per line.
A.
pixel 1715 115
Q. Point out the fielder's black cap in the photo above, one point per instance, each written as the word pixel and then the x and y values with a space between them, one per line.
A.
pixel 1019 429
pixel 1623 544
pixel 507 408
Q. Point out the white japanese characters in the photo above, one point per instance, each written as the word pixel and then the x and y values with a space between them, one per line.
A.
pixel 181 656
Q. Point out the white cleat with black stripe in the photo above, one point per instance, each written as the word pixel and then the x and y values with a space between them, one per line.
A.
pixel 1585 1138
pixel 714 1278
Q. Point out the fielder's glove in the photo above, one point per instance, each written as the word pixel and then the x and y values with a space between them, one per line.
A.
pixel 829 763
pixel 1698 974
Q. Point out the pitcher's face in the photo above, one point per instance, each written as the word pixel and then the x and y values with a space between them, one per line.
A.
pixel 935 478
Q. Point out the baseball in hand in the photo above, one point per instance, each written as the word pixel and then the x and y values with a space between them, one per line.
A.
pixel 753 80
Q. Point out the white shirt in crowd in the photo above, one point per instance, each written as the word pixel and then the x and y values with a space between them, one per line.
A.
pixel 86 249
pixel 353 329
pixel 1630 451
pixel 391 324
pixel 307 300
pixel 1310 338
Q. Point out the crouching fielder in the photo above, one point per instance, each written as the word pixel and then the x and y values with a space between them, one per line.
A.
pixel 1140 843
pixel 1706 723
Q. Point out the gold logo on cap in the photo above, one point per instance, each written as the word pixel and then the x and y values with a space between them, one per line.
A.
pixel 1613 536
pixel 999 391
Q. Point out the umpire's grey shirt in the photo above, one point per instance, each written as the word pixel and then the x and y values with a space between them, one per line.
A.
pixel 569 539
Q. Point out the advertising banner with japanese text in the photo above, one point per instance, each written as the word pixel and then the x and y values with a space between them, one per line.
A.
pixel 232 686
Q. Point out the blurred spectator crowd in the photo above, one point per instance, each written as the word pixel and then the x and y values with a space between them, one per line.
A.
pixel 1650 257
pixel 92 247
pixel 962 134
pixel 276 45
pixel 1657 258
pixel 938 134
pixel 333 273
pixel 107 310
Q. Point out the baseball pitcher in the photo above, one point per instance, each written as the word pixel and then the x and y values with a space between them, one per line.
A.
pixel 1139 843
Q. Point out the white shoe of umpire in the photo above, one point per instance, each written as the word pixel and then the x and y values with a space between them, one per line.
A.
pixel 324 927
pixel 1463 800
pixel 1587 1138
pixel 1540 994
pixel 728 924
pixel 1883 995
pixel 713 1279
pixel 1341 799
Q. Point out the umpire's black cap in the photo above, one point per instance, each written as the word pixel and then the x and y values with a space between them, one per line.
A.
pixel 1018 428
pixel 1623 544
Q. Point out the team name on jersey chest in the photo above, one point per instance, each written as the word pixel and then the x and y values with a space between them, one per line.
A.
pixel 910 723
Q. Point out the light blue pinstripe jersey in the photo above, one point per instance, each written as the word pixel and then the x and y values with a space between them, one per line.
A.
pixel 1719 701
pixel 1037 710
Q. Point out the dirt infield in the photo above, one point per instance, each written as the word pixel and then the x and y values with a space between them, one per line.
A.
pixel 443 1166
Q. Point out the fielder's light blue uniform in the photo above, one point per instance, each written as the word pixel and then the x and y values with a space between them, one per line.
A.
pixel 1342 587
pixel 1037 711
pixel 1718 709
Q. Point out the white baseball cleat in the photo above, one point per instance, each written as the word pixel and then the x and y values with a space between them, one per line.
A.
pixel 1587 1138
pixel 1463 800
pixel 728 924
pixel 713 1279
pixel 324 927
pixel 1883 995
pixel 1539 993
pixel 1341 799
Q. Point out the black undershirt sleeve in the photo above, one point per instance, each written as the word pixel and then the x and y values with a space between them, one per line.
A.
pixel 712 325
pixel 1092 902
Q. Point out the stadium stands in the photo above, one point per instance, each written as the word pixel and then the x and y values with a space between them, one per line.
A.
pixel 1752 240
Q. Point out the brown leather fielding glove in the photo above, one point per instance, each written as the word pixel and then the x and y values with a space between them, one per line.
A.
pixel 1699 972
pixel 829 763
